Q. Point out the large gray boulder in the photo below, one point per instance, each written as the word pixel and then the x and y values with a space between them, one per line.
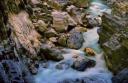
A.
pixel 75 40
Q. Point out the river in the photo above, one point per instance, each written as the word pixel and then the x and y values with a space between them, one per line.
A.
pixel 98 74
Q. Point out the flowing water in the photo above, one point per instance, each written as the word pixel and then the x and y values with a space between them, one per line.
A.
pixel 99 72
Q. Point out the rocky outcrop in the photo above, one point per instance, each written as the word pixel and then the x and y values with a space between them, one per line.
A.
pixel 24 33
pixel 113 39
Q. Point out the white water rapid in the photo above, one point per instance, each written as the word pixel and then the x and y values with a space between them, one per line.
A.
pixel 99 72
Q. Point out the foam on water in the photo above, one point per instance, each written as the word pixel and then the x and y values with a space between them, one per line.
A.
pixel 99 72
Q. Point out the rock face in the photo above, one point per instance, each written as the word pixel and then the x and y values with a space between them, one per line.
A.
pixel 114 36
pixel 113 39
pixel 24 32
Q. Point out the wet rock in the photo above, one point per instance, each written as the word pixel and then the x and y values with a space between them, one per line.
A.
pixel 121 77
pixel 84 80
pixel 72 81
pixel 51 53
pixel 81 63
pixel 63 65
pixel 93 21
pixel 89 51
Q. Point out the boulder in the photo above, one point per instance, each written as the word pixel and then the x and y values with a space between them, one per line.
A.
pixel 60 23
pixel 51 53
pixel 93 21
pixel 81 63
pixel 83 80
pixel 89 51
pixel 75 40
pixel 61 20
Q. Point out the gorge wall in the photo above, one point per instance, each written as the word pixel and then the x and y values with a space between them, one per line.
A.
pixel 114 35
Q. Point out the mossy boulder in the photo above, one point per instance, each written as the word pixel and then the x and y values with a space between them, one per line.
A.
pixel 113 39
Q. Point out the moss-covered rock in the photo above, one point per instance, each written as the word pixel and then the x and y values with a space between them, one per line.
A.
pixel 113 40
